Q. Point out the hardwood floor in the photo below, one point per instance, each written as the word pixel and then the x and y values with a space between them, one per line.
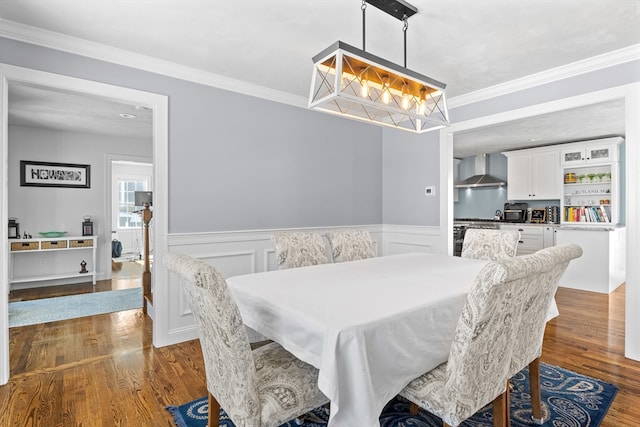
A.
pixel 588 338
pixel 104 371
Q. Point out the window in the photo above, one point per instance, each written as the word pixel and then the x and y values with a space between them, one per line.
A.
pixel 127 218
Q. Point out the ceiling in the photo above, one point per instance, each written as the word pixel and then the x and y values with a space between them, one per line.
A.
pixel 37 106
pixel 467 44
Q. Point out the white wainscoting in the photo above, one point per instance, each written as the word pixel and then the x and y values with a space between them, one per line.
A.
pixel 245 252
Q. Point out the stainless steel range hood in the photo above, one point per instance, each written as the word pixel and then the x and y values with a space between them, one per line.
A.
pixel 481 177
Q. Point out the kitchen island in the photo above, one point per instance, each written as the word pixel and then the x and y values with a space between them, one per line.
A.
pixel 602 266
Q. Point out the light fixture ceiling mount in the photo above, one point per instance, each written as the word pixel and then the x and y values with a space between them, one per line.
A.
pixel 351 82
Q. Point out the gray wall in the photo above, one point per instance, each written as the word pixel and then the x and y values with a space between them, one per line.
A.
pixel 216 162
pixel 590 82
pixel 411 163
pixel 273 166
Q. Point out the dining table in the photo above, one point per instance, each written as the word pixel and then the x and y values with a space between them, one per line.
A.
pixel 369 326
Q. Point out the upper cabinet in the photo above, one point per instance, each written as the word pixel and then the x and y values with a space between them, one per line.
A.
pixel 533 174
pixel 603 151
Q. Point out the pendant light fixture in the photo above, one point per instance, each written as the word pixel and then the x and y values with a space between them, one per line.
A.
pixel 354 83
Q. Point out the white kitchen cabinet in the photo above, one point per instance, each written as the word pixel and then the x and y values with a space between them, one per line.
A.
pixel 598 151
pixel 549 236
pixel 531 237
pixel 533 174
pixel 601 268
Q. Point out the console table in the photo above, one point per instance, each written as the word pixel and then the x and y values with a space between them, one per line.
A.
pixel 39 246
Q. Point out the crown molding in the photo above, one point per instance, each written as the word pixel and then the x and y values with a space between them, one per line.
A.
pixel 49 39
pixel 609 59
pixel 77 46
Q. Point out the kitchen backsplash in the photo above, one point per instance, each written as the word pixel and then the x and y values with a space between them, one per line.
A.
pixel 481 202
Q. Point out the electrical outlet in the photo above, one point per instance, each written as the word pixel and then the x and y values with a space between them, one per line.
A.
pixel 430 191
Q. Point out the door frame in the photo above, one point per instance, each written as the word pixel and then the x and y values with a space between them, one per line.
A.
pixel 159 104
pixel 631 94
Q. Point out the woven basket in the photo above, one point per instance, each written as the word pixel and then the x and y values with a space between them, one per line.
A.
pixel 25 246
pixel 81 243
pixel 53 244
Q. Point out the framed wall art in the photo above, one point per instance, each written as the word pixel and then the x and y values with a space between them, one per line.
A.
pixel 47 174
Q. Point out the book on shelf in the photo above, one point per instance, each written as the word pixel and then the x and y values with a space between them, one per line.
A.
pixel 586 214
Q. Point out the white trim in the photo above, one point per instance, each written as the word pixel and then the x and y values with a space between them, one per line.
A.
pixel 609 59
pixel 40 37
pixel 631 95
pixel 159 105
pixel 49 39
pixel 446 190
pixel 4 215
pixel 632 216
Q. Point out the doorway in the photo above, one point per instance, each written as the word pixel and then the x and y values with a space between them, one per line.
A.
pixel 128 253
pixel 158 104
pixel 631 95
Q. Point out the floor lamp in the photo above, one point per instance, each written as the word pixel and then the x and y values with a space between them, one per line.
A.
pixel 144 198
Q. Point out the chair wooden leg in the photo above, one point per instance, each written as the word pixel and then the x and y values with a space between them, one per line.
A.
pixel 413 409
pixel 500 407
pixel 214 412
pixel 536 399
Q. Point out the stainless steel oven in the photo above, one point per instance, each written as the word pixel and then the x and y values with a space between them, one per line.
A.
pixel 461 227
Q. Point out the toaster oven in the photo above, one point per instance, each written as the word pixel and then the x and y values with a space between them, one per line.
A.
pixel 515 212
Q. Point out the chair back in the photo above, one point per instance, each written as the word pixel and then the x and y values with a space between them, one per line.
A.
pixel 229 365
pixel 489 244
pixel 482 351
pixel 350 245
pixel 299 249
pixel 539 293
pixel 480 355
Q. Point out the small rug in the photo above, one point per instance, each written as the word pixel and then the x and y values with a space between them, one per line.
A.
pixel 23 313
pixel 570 399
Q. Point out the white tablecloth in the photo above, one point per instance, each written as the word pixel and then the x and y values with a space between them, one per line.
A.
pixel 369 326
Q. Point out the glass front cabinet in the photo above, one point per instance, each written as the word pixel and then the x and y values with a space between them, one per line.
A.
pixel 589 155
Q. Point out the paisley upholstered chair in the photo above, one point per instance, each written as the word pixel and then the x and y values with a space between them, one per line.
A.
pixel 264 387
pixel 539 293
pixel 350 245
pixel 299 249
pixel 486 342
pixel 489 244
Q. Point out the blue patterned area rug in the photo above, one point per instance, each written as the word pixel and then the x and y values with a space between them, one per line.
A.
pixel 23 313
pixel 570 399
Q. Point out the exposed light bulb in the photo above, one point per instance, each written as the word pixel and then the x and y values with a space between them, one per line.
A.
pixel 364 83
pixel 406 97
pixel 386 94
pixel 422 105
pixel 364 88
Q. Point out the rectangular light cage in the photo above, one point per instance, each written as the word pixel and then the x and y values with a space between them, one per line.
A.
pixel 354 83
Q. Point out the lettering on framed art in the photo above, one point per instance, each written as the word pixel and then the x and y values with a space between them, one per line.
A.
pixel 47 174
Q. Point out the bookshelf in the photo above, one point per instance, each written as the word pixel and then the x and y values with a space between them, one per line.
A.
pixel 591 191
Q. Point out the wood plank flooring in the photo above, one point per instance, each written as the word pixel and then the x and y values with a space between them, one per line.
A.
pixel 104 371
